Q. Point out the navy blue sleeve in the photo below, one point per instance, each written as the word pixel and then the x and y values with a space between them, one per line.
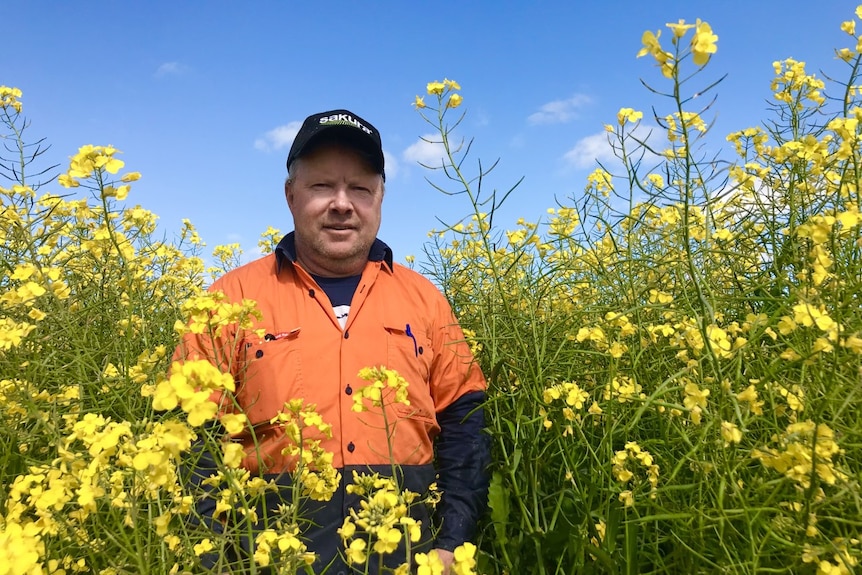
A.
pixel 463 458
pixel 201 465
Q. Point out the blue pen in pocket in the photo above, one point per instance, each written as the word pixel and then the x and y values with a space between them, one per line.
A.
pixel 413 337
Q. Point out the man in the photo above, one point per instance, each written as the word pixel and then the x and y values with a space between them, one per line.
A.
pixel 334 302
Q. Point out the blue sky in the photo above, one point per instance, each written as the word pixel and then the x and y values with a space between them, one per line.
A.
pixel 203 98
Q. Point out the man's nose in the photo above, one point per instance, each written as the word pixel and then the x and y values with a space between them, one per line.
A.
pixel 341 200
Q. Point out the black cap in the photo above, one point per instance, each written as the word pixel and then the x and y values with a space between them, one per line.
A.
pixel 344 126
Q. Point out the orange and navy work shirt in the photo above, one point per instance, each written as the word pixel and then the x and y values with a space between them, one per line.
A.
pixel 298 349
pixel 397 319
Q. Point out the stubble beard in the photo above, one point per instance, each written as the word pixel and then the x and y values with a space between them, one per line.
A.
pixel 334 259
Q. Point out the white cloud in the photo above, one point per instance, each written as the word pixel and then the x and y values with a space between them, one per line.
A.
pixel 589 150
pixel 428 151
pixel 170 69
pixel 597 148
pixel 391 165
pixel 559 111
pixel 278 138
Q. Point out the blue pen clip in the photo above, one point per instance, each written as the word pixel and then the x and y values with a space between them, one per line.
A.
pixel 413 337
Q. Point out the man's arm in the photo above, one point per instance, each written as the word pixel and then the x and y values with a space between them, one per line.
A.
pixel 199 466
pixel 463 457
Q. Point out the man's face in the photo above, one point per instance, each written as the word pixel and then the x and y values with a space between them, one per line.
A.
pixel 335 197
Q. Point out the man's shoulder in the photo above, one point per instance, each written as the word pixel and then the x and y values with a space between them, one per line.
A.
pixel 417 287
pixel 247 275
pixel 407 276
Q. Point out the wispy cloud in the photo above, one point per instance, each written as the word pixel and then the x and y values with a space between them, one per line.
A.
pixel 278 138
pixel 596 148
pixel 589 150
pixel 391 165
pixel 560 111
pixel 170 69
pixel 427 151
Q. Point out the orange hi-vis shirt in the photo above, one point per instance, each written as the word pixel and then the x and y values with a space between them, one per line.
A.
pixel 397 319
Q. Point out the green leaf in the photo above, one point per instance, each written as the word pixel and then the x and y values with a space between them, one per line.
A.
pixel 498 502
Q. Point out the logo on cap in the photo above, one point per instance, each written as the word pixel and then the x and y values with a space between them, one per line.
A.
pixel 365 137
pixel 345 119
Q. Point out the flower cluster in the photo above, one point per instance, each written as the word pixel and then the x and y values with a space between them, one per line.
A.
pixel 382 520
pixel 623 473
pixel 445 90
pixel 573 397
pixel 385 386
pixel 210 312
pixel 806 452
pixel 286 546
pixel 190 386
pixel 10 98
pixel 313 468
pixel 701 47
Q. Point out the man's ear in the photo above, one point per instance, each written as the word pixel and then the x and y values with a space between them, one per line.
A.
pixel 288 192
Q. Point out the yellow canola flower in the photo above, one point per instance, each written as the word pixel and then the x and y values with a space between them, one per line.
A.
pixel 190 386
pixel 465 559
pixel 703 43
pixel 385 385
pixel 627 498
pixel 797 460
pixel 233 422
pixel 233 454
pixel 853 343
pixel 730 433
pixel 454 101
pixel 435 88
pixel 419 102
pixel 628 115
pixel 750 396
pixel 91 159
pixel 658 296
pixel 355 552
pixel 10 98
pixel 428 564
pixel 21 548
pixel 679 29
pixel 652 46
pixel 204 546
pixel 387 540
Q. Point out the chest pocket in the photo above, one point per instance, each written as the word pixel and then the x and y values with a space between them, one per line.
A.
pixel 409 352
pixel 272 375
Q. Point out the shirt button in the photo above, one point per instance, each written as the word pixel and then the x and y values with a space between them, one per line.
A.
pixel 351 447
pixel 348 390
pixel 258 354
pixel 346 334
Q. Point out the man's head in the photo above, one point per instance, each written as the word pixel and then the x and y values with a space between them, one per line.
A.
pixel 342 126
pixel 335 192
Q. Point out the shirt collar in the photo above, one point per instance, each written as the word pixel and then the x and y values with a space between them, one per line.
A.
pixel 286 251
